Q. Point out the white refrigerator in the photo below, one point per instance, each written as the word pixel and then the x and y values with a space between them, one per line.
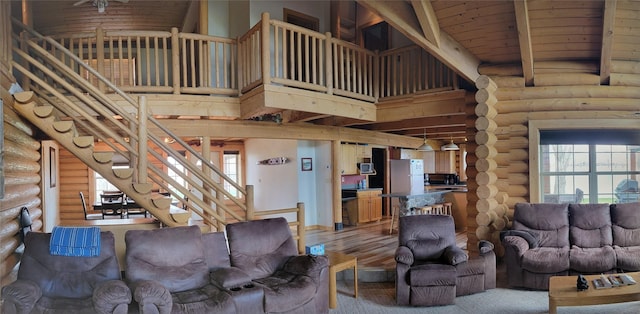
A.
pixel 407 176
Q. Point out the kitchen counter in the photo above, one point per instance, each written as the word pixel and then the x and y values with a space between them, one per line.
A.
pixel 447 187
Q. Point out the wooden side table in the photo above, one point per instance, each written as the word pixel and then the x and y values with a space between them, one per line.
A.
pixel 339 262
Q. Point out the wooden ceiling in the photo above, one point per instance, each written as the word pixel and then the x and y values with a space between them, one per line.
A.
pixel 56 17
pixel 536 36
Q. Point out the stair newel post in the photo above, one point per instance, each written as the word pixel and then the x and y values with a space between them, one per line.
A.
pixel 142 139
pixel 175 60
pixel 301 228
pixel 328 61
pixel 251 211
pixel 100 56
pixel 133 159
pixel 266 49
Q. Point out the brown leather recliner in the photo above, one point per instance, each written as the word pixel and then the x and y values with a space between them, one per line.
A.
pixel 431 269
pixel 266 251
pixel 66 284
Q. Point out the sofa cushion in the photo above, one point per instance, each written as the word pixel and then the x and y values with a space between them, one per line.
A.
pixel 285 291
pixel 625 219
pixel 432 275
pixel 590 225
pixel 592 260
pixel 549 221
pixel 269 247
pixel 67 276
pixel 628 258
pixel 427 243
pixel 216 252
pixel 207 299
pixel 546 260
pixel 172 256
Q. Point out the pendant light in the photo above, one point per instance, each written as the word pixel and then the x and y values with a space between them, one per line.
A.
pixel 450 146
pixel 425 147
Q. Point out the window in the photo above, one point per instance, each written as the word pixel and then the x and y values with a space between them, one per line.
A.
pixel 103 185
pixel 178 177
pixel 231 168
pixel 589 166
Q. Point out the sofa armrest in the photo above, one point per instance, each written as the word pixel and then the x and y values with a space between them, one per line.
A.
pixel 152 294
pixel 21 296
pixel 307 265
pixel 485 247
pixel 112 296
pixel 404 255
pixel 229 277
pixel 519 244
pixel 455 255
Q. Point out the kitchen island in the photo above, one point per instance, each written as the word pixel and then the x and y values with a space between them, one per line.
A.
pixel 433 194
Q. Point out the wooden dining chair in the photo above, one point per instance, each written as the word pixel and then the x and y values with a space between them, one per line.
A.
pixel 112 204
pixel 88 216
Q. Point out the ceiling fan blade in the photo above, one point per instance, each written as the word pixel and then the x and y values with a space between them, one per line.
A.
pixel 80 2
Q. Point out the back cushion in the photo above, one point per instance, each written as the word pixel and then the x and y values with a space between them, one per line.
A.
pixel 260 247
pixel 216 251
pixel 173 256
pixel 427 235
pixel 625 219
pixel 590 225
pixel 67 276
pixel 549 221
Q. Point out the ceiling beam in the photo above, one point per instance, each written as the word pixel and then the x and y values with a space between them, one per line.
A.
pixel 608 22
pixel 419 123
pixel 524 38
pixel 428 20
pixel 271 130
pixel 401 16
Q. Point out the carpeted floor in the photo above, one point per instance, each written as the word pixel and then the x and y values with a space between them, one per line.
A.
pixel 374 298
pixel 378 298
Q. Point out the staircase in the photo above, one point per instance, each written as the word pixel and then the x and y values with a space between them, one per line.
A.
pixel 63 104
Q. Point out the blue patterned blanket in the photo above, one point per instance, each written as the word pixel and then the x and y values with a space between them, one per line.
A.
pixel 75 241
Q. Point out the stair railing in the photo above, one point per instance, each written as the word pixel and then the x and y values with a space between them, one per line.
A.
pixel 109 109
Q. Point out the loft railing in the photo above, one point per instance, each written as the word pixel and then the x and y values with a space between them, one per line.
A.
pixel 183 63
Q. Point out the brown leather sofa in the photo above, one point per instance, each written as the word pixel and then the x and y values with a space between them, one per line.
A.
pixel 66 284
pixel 563 239
pixel 431 269
pixel 181 270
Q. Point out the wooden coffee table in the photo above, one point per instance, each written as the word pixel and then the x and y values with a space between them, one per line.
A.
pixel 563 292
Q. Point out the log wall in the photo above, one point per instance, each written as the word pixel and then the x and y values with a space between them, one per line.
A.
pixel 505 108
pixel 22 178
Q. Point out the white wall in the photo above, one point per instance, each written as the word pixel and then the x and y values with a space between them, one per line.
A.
pixel 218 18
pixel 275 186
pixel 283 186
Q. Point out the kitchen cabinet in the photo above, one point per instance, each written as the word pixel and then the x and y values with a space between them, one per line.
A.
pixel 445 162
pixel 369 206
pixel 351 155
pixel 349 159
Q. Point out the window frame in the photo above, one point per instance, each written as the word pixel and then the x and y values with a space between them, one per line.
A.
pixel 535 126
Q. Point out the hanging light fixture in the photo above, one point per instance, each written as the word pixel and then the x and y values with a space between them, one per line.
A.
pixel 450 146
pixel 425 147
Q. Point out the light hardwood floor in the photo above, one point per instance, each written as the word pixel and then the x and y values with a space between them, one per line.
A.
pixel 371 243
